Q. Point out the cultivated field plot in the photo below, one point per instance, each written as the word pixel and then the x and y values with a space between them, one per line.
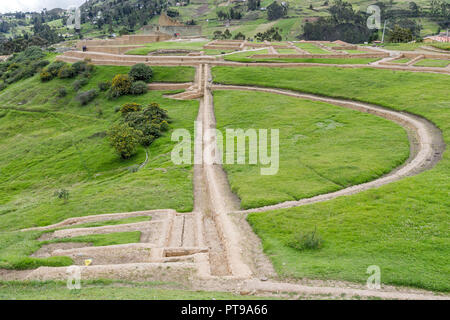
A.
pixel 172 45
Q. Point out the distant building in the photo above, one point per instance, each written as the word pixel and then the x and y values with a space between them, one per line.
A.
pixel 437 38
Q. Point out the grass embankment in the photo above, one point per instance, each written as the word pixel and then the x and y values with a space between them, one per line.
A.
pixel 402 227
pixel 110 290
pixel 323 148
pixel 50 143
pixel 173 45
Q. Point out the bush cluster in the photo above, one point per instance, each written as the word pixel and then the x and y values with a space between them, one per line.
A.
pixel 22 65
pixel 138 87
pixel 63 70
pixel 135 82
pixel 138 126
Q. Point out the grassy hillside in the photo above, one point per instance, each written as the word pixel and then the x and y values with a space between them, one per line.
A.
pixel 402 227
pixel 49 143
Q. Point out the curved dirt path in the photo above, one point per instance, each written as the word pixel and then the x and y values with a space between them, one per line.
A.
pixel 426 141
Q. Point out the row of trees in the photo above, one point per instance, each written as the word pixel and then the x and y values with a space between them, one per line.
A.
pixel 343 24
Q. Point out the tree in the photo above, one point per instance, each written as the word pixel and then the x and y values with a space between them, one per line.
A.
pixel 124 139
pixel 399 34
pixel 275 11
pixel 253 5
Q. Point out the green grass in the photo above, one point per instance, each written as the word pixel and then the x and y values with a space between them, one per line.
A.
pixel 109 290
pixel 432 63
pixel 323 148
pixel 311 48
pixel 99 240
pixel 48 143
pixel 402 227
pixel 153 46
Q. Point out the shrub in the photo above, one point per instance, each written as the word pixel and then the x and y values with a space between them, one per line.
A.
pixel 62 92
pixel 141 72
pixel 2 86
pixel 120 86
pixel 306 241
pixel 138 87
pixel 54 67
pixel 124 139
pixel 105 85
pixel 87 96
pixel 83 66
pixel 62 194
pixel 77 84
pixel 130 107
pixel 46 76
pixel 66 72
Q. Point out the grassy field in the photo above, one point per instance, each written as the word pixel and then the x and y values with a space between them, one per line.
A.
pixel 432 63
pixel 49 143
pixel 323 148
pixel 402 227
pixel 109 290
pixel 153 46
